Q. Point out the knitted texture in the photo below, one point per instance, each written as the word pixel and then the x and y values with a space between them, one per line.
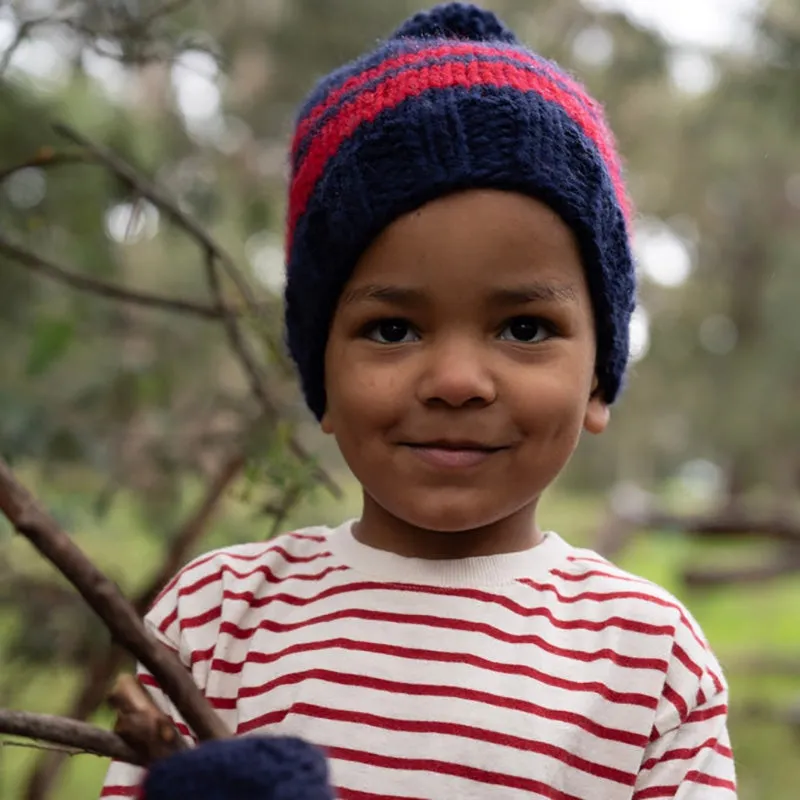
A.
pixel 451 102
pixel 250 768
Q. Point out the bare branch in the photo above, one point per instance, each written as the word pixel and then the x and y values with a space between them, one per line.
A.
pixel 101 670
pixel 700 578
pixel 69 732
pixel 45 158
pixel 23 31
pixel 724 524
pixel 167 7
pixel 156 196
pixel 107 601
pixel 251 367
pixel 49 269
pixel 92 696
pixel 214 253
pixel 140 723
pixel 191 531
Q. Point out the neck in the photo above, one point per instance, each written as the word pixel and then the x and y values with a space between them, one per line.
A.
pixel 382 530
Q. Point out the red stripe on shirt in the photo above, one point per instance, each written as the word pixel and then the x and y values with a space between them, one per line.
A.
pixel 445 768
pixel 414 689
pixel 692 776
pixel 413 653
pixel 703 714
pixel 120 791
pixel 466 732
pixel 688 753
pixel 680 704
pixel 446 623
pixel 262 569
pixel 636 626
pixel 528 707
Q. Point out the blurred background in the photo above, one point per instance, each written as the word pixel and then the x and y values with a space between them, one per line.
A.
pixel 146 400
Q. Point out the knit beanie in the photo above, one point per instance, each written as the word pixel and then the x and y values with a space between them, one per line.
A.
pixel 244 768
pixel 452 101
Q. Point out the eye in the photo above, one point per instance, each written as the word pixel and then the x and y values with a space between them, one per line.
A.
pixel 529 330
pixel 391 331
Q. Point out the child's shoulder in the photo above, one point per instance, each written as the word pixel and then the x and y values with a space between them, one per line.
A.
pixel 294 553
pixel 591 571
pixel 586 577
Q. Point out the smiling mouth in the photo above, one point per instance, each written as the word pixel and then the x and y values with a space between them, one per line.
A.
pixel 453 454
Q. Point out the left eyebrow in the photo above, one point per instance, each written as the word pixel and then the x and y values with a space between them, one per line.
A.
pixel 535 293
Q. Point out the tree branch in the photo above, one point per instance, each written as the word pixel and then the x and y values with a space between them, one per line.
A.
pixel 69 732
pixel 699 578
pixel 23 31
pixel 158 198
pixel 191 531
pixel 251 367
pixel 102 669
pixel 723 524
pixel 107 601
pixel 53 271
pixel 141 724
pixel 44 159
pixel 214 253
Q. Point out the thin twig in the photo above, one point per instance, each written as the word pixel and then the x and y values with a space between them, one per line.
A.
pixel 60 730
pixel 251 367
pixel 22 33
pixel 46 158
pixel 213 253
pixel 49 269
pixel 103 596
pixel 166 9
pixel 236 340
pixel 282 510
pixel 142 724
pixel 158 198
pixel 191 531
pixel 25 28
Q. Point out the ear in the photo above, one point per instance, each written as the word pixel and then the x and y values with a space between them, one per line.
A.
pixel 325 423
pixel 598 413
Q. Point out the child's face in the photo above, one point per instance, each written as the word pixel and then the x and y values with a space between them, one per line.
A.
pixel 460 364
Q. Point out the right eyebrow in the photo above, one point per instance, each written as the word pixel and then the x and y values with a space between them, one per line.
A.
pixel 399 295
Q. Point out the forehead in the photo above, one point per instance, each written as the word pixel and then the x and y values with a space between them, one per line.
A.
pixel 474 239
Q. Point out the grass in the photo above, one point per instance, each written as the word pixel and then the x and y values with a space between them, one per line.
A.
pixel 758 619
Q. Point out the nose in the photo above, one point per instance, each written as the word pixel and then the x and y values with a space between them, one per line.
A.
pixel 456 373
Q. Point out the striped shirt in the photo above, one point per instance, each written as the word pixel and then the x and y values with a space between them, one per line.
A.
pixel 547 673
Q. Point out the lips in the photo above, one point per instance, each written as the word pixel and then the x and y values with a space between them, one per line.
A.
pixel 453 454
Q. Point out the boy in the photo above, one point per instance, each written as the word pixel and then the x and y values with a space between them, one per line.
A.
pixel 459 291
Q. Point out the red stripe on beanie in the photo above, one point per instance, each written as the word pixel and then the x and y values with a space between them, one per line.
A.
pixel 449 50
pixel 396 89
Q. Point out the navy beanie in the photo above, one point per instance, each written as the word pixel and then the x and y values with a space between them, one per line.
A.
pixel 452 101
pixel 247 768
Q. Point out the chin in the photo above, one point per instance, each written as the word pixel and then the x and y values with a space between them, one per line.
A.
pixel 441 517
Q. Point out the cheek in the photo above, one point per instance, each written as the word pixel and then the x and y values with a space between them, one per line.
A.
pixel 553 402
pixel 363 394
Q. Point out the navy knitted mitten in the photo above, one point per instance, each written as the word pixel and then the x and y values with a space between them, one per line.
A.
pixel 250 768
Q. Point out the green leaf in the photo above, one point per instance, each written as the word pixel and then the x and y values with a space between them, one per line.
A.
pixel 51 340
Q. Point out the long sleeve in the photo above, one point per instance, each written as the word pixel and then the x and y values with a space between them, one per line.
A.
pixel 689 755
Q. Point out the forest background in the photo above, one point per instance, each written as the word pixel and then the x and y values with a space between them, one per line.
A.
pixel 146 399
